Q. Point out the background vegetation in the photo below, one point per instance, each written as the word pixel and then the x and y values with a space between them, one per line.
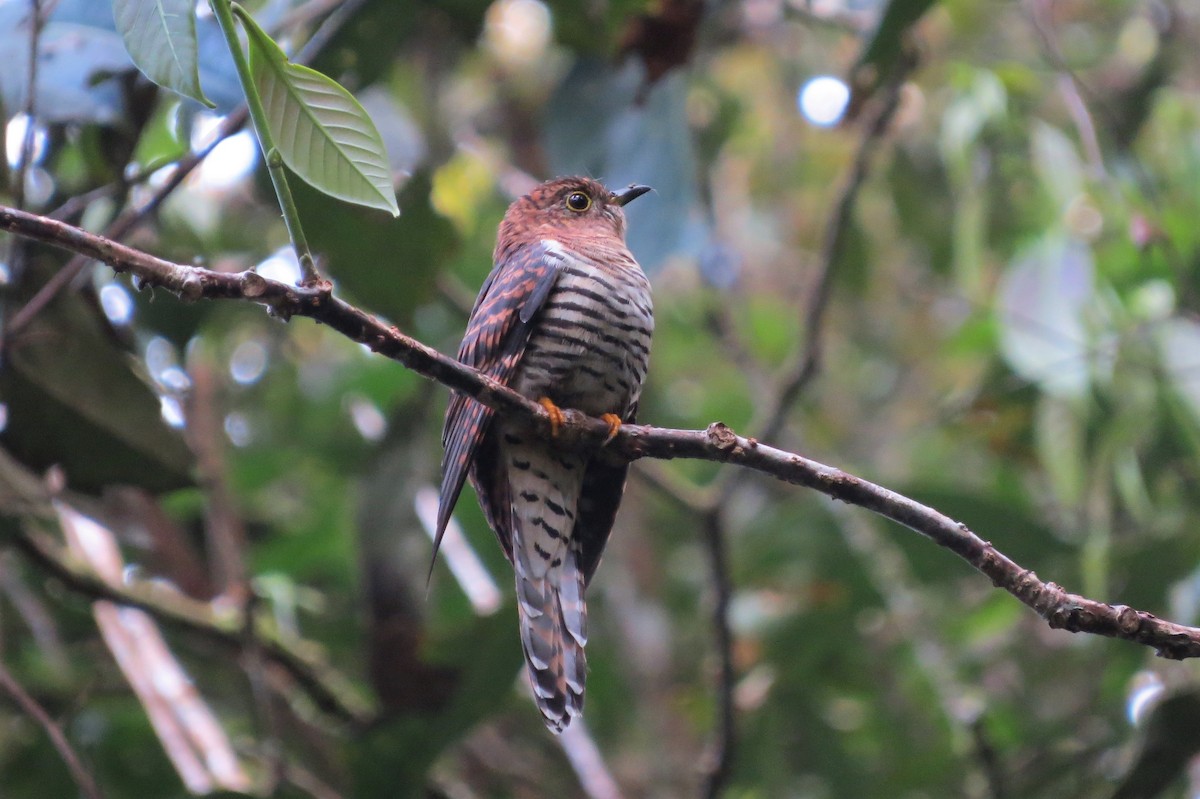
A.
pixel 980 289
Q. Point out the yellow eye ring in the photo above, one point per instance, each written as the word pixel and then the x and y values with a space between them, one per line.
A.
pixel 578 202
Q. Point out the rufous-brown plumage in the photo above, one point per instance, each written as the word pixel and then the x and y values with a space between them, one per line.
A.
pixel 564 318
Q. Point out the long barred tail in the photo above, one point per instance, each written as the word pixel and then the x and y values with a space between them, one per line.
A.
pixel 553 621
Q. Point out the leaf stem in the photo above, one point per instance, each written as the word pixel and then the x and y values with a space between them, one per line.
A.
pixel 223 10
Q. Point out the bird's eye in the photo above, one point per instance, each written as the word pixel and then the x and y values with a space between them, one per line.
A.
pixel 578 202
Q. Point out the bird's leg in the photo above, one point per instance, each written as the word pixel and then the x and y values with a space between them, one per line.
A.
pixel 614 426
pixel 555 413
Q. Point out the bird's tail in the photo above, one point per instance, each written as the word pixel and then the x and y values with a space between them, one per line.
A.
pixel 553 633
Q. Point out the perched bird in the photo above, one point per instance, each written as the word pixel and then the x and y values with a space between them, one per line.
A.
pixel 565 319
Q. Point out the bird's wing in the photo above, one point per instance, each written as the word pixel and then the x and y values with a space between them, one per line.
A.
pixel 603 485
pixel 497 333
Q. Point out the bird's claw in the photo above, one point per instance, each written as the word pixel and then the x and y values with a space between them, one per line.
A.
pixel 614 426
pixel 555 413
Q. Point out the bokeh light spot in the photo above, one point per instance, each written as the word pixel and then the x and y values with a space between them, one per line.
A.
pixel 230 162
pixel 1147 690
pixel 175 380
pixel 367 418
pixel 517 31
pixel 823 100
pixel 248 362
pixel 238 428
pixel 172 411
pixel 160 356
pixel 117 304
pixel 281 266
pixel 39 187
pixel 14 140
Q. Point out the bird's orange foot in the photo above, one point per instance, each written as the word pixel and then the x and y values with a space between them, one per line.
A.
pixel 555 413
pixel 614 426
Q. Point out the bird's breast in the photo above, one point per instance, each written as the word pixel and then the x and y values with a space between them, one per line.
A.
pixel 590 345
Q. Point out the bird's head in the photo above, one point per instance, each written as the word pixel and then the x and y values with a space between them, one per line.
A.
pixel 570 208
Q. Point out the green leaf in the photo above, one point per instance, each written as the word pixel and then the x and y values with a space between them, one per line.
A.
pixel 161 141
pixel 74 400
pixel 160 36
pixel 356 241
pixel 323 134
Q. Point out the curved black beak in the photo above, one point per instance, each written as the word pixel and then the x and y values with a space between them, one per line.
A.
pixel 630 193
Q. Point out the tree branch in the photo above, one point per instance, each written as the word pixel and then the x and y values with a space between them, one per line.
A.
pixel 1061 610
pixel 300 659
pixel 132 217
pixel 83 778
pixel 29 108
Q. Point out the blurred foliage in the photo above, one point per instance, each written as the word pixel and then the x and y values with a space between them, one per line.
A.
pixel 1013 339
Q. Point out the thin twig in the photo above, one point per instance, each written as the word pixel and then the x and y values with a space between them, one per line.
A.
pixel 1041 14
pixel 885 565
pixel 123 224
pixel 304 780
pixel 1086 128
pixel 785 396
pixel 306 12
pixel 985 752
pixel 680 490
pixel 838 18
pixel 587 762
pixel 120 227
pixel 721 757
pixel 74 206
pixel 224 11
pixel 254 664
pixel 834 244
pixel 328 689
pixel 719 319
pixel 792 384
pixel 30 106
pixel 1069 87
pixel 34 613
pixel 717 443
pixel 83 778
pixel 224 530
pixel 16 249
pixel 341 14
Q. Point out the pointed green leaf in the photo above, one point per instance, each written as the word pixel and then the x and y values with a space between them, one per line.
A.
pixel 323 134
pixel 160 36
